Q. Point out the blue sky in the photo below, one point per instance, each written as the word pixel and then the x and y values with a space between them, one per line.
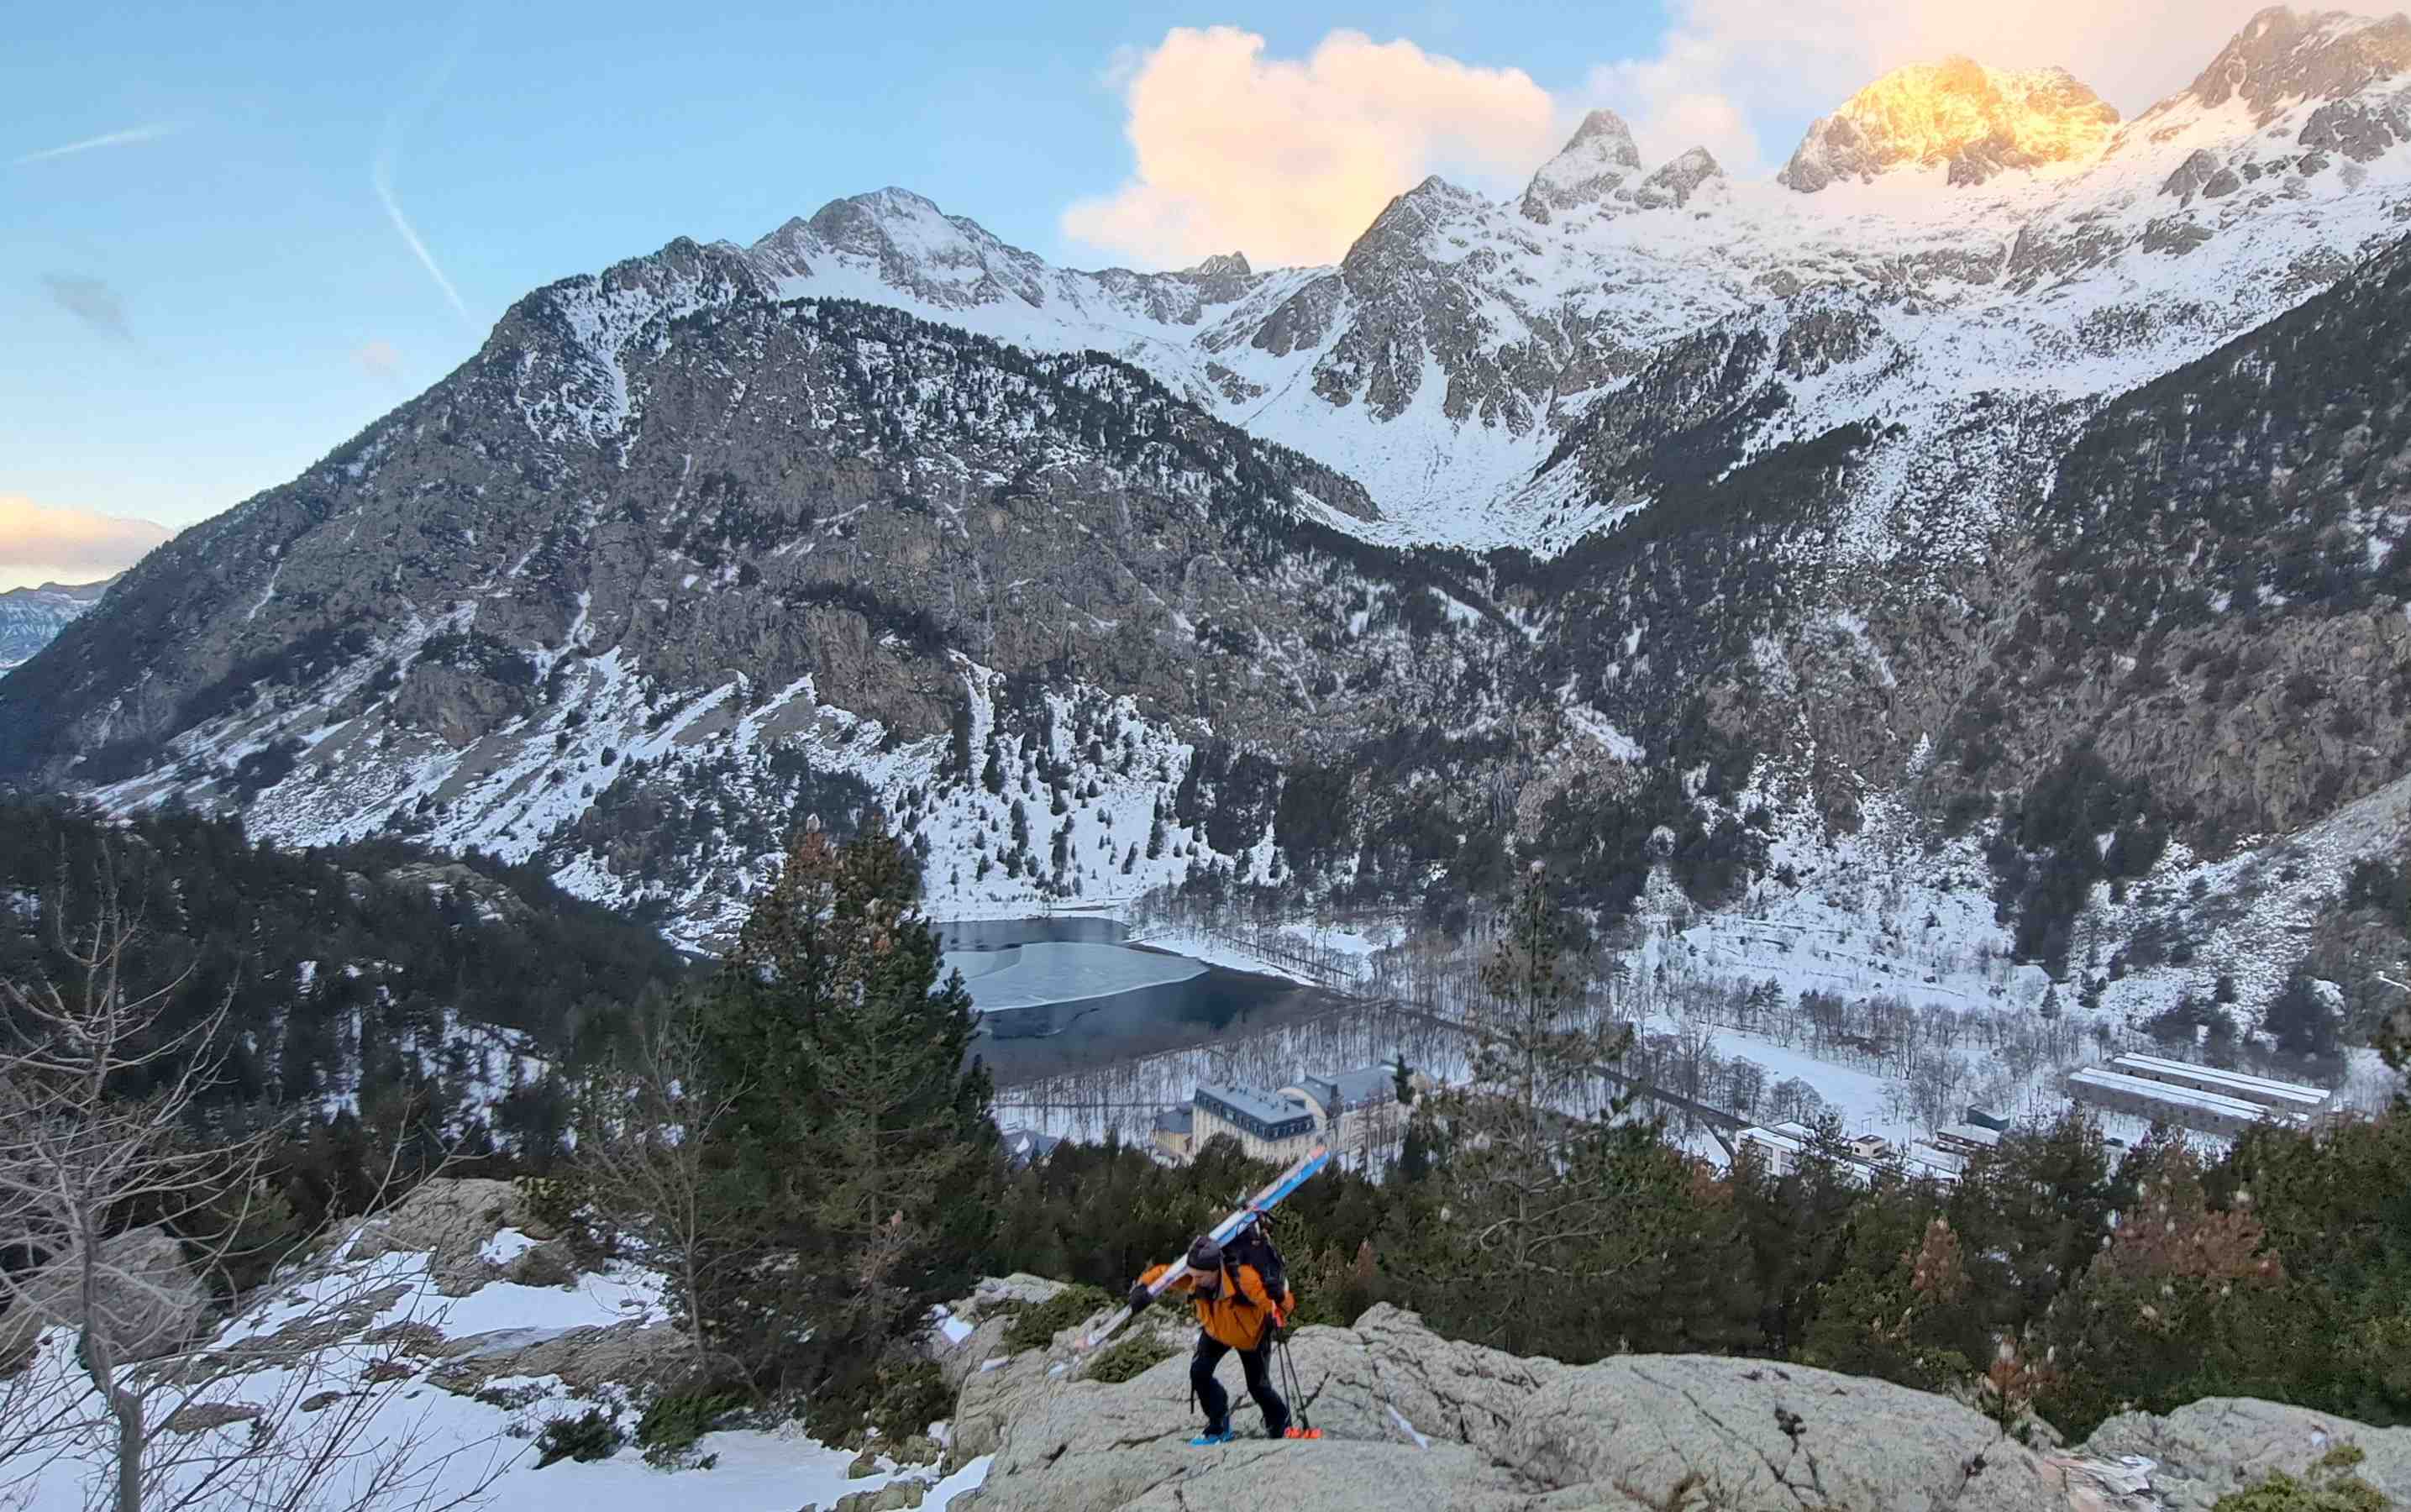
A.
pixel 198 313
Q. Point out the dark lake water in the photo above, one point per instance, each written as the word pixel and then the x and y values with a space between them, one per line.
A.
pixel 1022 1044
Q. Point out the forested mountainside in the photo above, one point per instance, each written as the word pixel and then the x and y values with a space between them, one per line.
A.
pixel 2068 518
pixel 374 986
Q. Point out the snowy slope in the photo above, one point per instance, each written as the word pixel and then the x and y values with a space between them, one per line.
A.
pixel 456 1444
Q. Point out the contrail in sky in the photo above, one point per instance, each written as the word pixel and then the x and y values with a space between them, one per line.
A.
pixel 381 175
pixel 114 138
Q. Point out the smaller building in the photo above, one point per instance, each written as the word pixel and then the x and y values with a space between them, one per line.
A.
pixel 1964 1139
pixel 1175 1132
pixel 1926 1159
pixel 1784 1144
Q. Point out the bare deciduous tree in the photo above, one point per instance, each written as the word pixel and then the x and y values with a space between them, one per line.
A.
pixel 641 1152
pixel 120 1374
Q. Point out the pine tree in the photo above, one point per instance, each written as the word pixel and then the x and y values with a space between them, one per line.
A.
pixel 1414 1152
pixel 1535 1172
pixel 857 1155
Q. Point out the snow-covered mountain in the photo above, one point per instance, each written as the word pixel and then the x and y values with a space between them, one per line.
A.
pixel 31 618
pixel 1992 233
pixel 1098 580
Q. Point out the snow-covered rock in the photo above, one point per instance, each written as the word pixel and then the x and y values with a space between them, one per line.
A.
pixel 1597 158
pixel 474 1230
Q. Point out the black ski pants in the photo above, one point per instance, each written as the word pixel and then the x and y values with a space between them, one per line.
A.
pixel 1256 1364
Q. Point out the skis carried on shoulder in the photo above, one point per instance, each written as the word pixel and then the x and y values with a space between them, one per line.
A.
pixel 1287 1182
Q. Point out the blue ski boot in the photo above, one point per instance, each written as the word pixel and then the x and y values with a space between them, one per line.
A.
pixel 1210 1437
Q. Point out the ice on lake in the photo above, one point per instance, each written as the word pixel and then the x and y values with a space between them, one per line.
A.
pixel 1063 971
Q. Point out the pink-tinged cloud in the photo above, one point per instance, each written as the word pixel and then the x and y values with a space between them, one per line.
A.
pixel 378 360
pixel 1288 160
pixel 39 541
pixel 1720 61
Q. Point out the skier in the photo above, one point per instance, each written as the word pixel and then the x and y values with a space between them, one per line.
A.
pixel 1233 1312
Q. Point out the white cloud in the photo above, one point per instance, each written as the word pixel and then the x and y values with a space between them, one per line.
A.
pixel 43 542
pixel 378 360
pixel 1678 100
pixel 1288 160
pixel 1722 61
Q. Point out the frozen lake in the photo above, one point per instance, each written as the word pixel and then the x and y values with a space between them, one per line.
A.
pixel 1060 971
pixel 1062 994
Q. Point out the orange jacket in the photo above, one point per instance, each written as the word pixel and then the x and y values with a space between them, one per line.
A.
pixel 1239 1316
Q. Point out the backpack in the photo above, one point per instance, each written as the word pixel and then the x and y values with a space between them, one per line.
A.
pixel 1252 1246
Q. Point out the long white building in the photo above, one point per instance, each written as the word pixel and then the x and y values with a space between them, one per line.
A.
pixel 2284 1097
pixel 2205 1112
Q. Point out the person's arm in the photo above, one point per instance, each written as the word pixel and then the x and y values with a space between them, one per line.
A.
pixel 1138 1296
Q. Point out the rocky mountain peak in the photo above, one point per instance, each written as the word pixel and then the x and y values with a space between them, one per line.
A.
pixel 1676 182
pixel 1403 223
pixel 1223 265
pixel 865 222
pixel 1978 121
pixel 2283 55
pixel 1599 157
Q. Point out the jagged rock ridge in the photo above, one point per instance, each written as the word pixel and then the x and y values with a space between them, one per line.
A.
pixel 1973 120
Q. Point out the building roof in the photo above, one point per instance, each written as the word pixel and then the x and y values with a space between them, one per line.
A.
pixel 1971 1133
pixel 2176 1097
pixel 1022 1145
pixel 1264 1106
pixel 1367 1084
pixel 2231 1084
pixel 1793 1138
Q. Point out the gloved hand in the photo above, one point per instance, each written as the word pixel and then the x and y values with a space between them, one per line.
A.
pixel 1140 1297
